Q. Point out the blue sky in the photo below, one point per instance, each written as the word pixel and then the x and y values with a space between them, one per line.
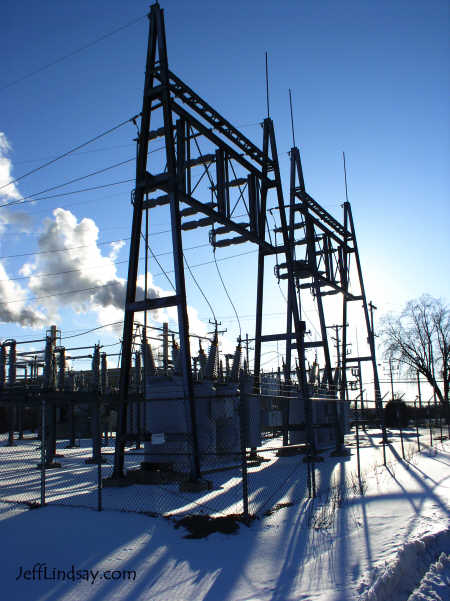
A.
pixel 368 78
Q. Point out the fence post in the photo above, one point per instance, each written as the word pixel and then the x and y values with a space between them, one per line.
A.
pixel 358 458
pixel 417 426
pixel 11 411
pixel 384 434
pixel 99 458
pixel 43 448
pixel 401 439
pixel 71 443
pixel 440 423
pixel 308 480
pixel 20 414
pixel 243 415
pixel 96 442
pixel 429 424
pixel 448 419
pixel 313 479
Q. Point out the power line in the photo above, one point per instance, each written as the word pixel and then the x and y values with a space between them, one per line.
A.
pixel 164 272
pixel 114 323
pixel 61 156
pixel 147 247
pixel 113 343
pixel 27 277
pixel 123 181
pixel 225 317
pixel 249 252
pixel 36 234
pixel 45 275
pixel 311 323
pixel 28 298
pixel 228 296
pixel 199 287
pixel 31 197
pixel 82 152
pixel 56 250
pixel 73 53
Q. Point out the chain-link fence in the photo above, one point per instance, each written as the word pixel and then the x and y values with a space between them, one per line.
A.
pixel 253 451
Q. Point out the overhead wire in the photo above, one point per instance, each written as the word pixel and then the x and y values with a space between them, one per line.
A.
pixel 100 171
pixel 108 148
pixel 73 53
pixel 55 250
pixel 86 246
pixel 272 359
pixel 28 198
pixel 88 190
pixel 159 264
pixel 63 293
pixel 48 158
pixel 46 210
pixel 200 289
pixel 32 197
pixel 65 154
pixel 311 323
pixel 27 277
pixel 106 325
pixel 163 272
pixel 250 252
pixel 252 316
pixel 228 296
pixel 123 181
pixel 46 275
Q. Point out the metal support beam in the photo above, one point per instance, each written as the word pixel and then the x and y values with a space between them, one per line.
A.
pixel 141 173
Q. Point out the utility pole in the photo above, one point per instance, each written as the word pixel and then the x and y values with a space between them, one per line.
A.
pixel 247 349
pixel 336 339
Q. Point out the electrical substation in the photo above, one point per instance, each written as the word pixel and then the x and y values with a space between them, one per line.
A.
pixel 178 411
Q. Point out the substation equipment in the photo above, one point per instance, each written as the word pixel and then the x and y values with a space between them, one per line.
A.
pixel 243 180
pixel 184 407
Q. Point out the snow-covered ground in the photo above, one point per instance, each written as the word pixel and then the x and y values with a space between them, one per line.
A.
pixel 389 543
pixel 436 582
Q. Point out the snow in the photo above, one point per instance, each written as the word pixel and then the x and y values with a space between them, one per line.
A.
pixel 402 576
pixel 388 544
pixel 435 585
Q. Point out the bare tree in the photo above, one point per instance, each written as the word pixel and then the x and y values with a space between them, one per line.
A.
pixel 419 338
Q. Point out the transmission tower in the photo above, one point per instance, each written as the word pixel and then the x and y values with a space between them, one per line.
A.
pixel 324 250
pixel 208 168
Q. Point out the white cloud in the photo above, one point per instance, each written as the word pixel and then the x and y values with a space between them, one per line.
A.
pixel 14 307
pixel 90 277
pixel 83 269
pixel 115 249
pixel 26 269
pixel 20 219
pixel 9 192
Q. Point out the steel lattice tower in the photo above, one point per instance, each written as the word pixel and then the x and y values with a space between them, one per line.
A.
pixel 239 168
